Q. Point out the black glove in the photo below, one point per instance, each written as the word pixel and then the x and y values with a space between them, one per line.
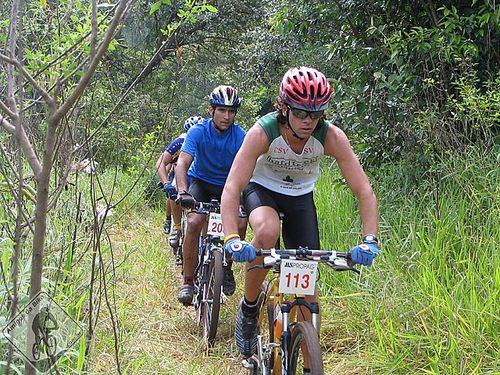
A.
pixel 185 199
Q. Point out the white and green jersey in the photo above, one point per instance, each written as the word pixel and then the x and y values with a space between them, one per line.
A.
pixel 281 169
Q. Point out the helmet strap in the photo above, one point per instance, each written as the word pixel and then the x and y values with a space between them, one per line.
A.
pixel 290 126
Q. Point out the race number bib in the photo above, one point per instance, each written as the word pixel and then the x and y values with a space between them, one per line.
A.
pixel 298 277
pixel 215 225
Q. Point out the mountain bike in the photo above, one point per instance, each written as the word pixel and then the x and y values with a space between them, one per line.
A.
pixel 284 343
pixel 44 341
pixel 209 273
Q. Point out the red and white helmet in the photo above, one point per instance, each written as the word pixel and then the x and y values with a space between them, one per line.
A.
pixel 306 88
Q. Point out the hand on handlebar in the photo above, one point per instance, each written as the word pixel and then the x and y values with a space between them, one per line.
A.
pixel 170 190
pixel 240 250
pixel 186 200
pixel 364 253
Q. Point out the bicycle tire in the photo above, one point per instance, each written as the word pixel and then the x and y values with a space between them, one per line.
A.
pixel 210 305
pixel 304 334
pixel 266 328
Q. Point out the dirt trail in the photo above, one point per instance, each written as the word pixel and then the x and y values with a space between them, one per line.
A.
pixel 158 335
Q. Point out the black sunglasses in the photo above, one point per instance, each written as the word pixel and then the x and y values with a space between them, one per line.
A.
pixel 302 114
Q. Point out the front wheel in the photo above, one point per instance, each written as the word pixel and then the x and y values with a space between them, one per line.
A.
pixel 271 359
pixel 211 301
pixel 305 350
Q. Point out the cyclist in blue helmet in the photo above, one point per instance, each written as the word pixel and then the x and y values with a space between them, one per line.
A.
pixel 205 159
pixel 165 167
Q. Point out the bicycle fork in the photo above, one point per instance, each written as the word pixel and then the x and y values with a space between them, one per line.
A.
pixel 286 334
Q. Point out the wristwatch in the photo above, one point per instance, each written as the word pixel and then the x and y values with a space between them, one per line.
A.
pixel 370 238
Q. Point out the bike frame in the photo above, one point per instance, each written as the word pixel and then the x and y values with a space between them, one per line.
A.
pixel 208 275
pixel 279 347
pixel 276 354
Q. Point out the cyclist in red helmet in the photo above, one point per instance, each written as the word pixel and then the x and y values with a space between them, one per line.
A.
pixel 276 169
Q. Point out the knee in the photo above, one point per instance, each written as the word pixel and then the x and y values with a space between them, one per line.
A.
pixel 265 238
pixel 195 224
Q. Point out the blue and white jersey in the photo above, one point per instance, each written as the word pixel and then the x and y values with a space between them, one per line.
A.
pixel 174 148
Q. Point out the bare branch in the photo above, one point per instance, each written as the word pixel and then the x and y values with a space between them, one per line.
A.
pixel 6 109
pixel 93 40
pixel 45 95
pixel 23 139
pixel 8 127
pixel 85 80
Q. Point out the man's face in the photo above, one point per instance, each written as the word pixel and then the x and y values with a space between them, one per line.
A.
pixel 303 126
pixel 223 117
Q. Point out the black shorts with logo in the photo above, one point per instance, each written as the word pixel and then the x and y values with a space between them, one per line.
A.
pixel 300 222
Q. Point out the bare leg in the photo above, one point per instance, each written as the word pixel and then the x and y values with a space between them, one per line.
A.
pixel 190 247
pixel 176 213
pixel 265 224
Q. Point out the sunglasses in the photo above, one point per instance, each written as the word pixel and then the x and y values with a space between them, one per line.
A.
pixel 302 114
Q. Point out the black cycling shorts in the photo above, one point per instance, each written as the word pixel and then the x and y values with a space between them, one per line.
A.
pixel 203 191
pixel 300 222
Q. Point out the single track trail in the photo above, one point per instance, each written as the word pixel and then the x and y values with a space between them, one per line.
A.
pixel 158 335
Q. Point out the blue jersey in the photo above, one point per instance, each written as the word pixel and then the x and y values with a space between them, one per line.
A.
pixel 174 148
pixel 213 152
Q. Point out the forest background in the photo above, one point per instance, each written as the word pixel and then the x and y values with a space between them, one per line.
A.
pixel 416 89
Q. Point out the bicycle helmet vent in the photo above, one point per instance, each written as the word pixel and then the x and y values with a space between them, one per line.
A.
pixel 306 88
pixel 225 96
pixel 190 121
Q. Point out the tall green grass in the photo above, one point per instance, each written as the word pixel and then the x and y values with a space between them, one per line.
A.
pixel 430 304
pixel 68 254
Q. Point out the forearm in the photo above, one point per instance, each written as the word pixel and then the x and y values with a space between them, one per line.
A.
pixel 369 213
pixel 162 174
pixel 230 204
pixel 162 166
pixel 181 178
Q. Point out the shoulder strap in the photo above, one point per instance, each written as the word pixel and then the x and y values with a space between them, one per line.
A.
pixel 270 125
pixel 321 130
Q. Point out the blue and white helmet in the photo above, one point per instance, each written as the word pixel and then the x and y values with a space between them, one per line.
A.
pixel 225 96
pixel 190 121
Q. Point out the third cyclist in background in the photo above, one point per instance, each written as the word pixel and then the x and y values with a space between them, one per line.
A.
pixel 165 167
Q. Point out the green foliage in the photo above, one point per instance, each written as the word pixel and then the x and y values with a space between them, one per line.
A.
pixel 44 46
pixel 409 60
pixel 428 303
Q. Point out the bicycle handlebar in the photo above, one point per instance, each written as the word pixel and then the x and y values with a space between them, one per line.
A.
pixel 206 208
pixel 340 261
pixel 214 206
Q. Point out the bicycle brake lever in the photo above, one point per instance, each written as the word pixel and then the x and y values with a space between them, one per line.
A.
pixel 343 267
pixel 249 268
pixel 354 269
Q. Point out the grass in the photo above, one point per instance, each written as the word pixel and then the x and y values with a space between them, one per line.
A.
pixel 429 304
